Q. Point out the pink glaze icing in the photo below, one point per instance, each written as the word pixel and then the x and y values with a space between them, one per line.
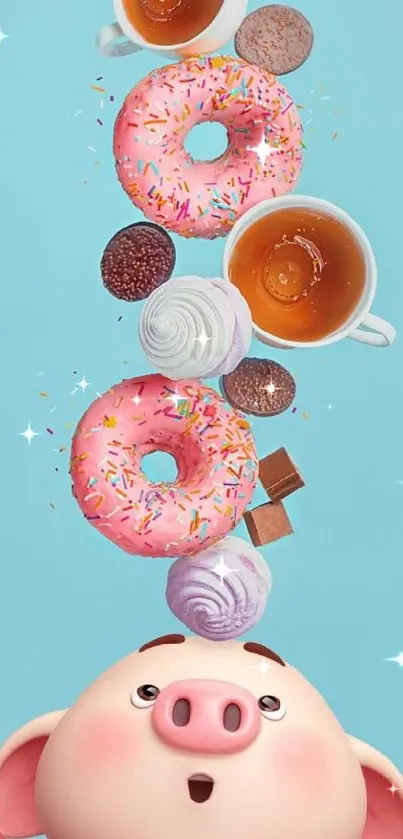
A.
pixel 213 448
pixel 263 158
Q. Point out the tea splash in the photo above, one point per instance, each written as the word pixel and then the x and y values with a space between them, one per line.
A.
pixel 302 273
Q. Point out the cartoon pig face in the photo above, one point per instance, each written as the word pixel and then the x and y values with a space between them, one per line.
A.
pixel 190 739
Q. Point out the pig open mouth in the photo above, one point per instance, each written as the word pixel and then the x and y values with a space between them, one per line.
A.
pixel 200 788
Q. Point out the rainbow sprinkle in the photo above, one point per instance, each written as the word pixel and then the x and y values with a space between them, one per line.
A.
pixel 214 450
pixel 192 198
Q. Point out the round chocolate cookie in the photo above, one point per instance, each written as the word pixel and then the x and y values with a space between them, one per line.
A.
pixel 137 260
pixel 260 387
pixel 276 38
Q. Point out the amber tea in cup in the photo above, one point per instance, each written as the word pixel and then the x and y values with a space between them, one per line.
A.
pixel 167 22
pixel 302 273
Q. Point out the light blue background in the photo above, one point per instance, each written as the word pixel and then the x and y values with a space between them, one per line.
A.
pixel 71 603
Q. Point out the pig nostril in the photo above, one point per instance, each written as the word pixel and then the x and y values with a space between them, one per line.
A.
pixel 181 712
pixel 232 717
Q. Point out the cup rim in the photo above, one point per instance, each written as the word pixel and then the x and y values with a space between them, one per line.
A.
pixel 270 205
pixel 135 36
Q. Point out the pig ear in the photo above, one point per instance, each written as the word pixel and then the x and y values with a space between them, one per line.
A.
pixel 384 785
pixel 19 758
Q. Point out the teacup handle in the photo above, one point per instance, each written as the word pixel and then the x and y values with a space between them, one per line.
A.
pixel 383 335
pixel 107 42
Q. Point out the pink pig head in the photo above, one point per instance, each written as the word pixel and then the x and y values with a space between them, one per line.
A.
pixel 190 739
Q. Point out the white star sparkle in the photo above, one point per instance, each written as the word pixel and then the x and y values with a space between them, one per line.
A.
pixel 136 400
pixel 203 339
pixel 394 789
pixel 222 570
pixel 3 36
pixel 83 384
pixel 263 150
pixel 264 666
pixel 271 388
pixel 397 659
pixel 29 434
pixel 175 398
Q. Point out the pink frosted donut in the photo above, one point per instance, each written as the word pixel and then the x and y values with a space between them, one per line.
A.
pixel 213 448
pixel 192 198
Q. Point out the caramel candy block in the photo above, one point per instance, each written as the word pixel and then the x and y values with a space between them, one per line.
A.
pixel 279 475
pixel 267 523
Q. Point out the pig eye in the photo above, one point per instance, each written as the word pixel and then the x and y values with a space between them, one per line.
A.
pixel 144 696
pixel 271 707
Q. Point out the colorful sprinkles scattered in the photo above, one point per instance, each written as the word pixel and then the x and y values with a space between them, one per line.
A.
pixel 215 454
pixel 264 154
pixel 59 440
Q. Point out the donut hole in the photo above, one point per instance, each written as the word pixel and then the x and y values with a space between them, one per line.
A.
pixel 160 467
pixel 206 142
pixel 171 459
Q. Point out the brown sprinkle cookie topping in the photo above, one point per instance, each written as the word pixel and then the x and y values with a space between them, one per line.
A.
pixel 276 38
pixel 137 260
pixel 259 386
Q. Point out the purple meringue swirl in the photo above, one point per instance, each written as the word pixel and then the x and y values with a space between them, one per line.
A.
pixel 222 592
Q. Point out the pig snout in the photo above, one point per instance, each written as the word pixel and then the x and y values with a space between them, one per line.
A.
pixel 201 715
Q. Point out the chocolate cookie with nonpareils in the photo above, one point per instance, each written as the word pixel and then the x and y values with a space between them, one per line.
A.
pixel 259 386
pixel 276 38
pixel 137 260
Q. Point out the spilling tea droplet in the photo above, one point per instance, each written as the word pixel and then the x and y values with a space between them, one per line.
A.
pixel 291 268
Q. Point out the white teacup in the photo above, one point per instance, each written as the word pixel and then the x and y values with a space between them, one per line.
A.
pixel 221 29
pixel 361 320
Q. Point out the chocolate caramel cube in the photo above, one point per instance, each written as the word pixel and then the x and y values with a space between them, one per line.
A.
pixel 267 523
pixel 279 475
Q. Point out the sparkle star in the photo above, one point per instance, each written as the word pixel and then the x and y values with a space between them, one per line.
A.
pixel 271 388
pixel 3 36
pixel 203 339
pixel 175 398
pixel 222 570
pixel 263 666
pixel 83 384
pixel 398 659
pixel 29 434
pixel 136 400
pixel 263 150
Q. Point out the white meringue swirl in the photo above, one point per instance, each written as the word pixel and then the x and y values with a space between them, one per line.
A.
pixel 192 327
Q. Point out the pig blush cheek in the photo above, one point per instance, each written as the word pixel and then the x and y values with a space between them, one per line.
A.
pixel 301 760
pixel 105 739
